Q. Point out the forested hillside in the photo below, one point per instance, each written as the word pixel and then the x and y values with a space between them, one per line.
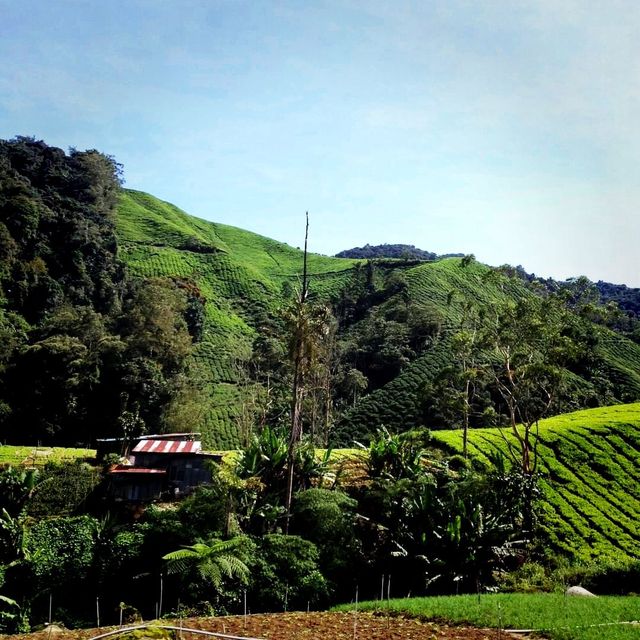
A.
pixel 121 313
pixel 86 349
pixel 390 328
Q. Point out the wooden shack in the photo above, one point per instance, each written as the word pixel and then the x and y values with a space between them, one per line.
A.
pixel 134 484
pixel 162 467
pixel 187 466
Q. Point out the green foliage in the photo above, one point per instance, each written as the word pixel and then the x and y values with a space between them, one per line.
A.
pixel 60 551
pixel 85 347
pixel 9 611
pixel 63 490
pixel 16 487
pixel 285 574
pixel 328 519
pixel 450 532
pixel 609 576
pixel 262 465
pixel 214 561
pixel 396 456
pixel 205 511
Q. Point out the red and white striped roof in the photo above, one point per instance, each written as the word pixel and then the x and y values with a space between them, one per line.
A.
pixel 122 468
pixel 168 446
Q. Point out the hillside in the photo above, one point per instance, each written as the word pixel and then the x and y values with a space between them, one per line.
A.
pixel 242 276
pixel 120 312
pixel 590 466
pixel 246 279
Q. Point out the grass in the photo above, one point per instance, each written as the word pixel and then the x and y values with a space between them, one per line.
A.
pixel 555 615
pixel 39 456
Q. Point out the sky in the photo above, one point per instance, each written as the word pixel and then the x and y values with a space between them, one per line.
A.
pixel 506 129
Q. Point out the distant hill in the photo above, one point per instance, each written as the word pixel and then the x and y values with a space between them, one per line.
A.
pixel 399 251
pixel 627 298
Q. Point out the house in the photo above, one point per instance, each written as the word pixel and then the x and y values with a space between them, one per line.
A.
pixel 161 466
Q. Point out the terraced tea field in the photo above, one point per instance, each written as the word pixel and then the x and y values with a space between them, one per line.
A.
pixel 246 279
pixel 590 466
pixel 241 276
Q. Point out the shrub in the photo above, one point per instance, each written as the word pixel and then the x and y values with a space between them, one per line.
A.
pixel 286 574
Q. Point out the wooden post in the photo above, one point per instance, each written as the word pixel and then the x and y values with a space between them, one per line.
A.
pixel 355 616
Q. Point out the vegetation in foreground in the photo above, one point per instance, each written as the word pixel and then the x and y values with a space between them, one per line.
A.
pixel 295 625
pixel 429 520
pixel 554 616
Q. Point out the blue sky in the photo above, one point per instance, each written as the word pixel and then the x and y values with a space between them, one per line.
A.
pixel 505 129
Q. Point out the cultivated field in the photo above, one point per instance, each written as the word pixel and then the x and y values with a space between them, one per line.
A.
pixel 590 466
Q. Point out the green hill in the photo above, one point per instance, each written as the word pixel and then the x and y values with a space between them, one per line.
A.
pixel 241 276
pixel 589 461
pixel 246 279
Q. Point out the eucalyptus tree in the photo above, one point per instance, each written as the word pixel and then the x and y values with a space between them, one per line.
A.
pixel 526 347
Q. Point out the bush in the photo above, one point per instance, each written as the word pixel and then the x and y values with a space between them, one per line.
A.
pixel 286 574
pixel 602 578
pixel 531 577
pixel 605 577
pixel 327 518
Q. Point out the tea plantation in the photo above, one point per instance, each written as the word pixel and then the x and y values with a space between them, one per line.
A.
pixel 590 467
pixel 246 279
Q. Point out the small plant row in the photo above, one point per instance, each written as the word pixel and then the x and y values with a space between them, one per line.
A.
pixel 588 461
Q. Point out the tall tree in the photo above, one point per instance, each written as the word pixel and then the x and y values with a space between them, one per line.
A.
pixel 527 348
pixel 299 355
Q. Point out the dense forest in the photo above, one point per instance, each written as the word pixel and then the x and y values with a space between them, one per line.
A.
pixel 87 349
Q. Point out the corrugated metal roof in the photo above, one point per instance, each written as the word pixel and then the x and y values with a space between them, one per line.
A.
pixel 168 446
pixel 188 435
pixel 128 469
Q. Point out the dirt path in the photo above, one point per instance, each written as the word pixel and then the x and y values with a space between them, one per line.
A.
pixel 307 626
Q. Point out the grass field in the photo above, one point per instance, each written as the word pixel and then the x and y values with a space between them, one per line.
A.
pixel 39 456
pixel 552 615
